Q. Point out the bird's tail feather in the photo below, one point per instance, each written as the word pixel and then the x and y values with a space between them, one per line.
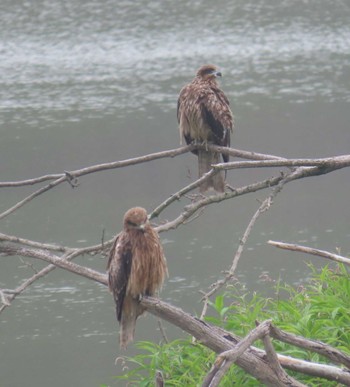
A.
pixel 205 161
pixel 128 322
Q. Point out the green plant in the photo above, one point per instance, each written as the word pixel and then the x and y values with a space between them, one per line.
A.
pixel 318 310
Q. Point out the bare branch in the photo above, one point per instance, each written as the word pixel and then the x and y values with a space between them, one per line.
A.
pixel 32 196
pixel 272 358
pixel 176 196
pixel 311 345
pixel 239 152
pixel 20 289
pixel 217 339
pixel 252 361
pixel 11 295
pixel 310 250
pixel 71 175
pixel 36 180
pixel 55 260
pixel 27 242
pixel 299 173
pixel 101 167
pixel 162 330
pixel 318 370
pixel 265 205
pixel 233 152
pixel 4 298
pixel 225 359
pixel 214 288
pixel 217 198
pixel 323 165
pixel 329 163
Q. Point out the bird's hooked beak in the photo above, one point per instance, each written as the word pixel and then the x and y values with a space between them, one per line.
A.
pixel 141 227
pixel 217 74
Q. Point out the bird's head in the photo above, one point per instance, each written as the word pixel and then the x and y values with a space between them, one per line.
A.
pixel 135 219
pixel 208 72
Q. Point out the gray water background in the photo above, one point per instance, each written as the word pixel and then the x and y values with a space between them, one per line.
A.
pixel 85 82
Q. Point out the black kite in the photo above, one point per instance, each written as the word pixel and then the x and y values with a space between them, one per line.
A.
pixel 204 116
pixel 136 267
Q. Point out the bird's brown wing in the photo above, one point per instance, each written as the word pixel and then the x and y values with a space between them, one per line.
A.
pixel 216 112
pixel 185 93
pixel 119 267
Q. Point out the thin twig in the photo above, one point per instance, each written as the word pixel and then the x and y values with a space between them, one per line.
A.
pixel 69 175
pixel 176 196
pixel 162 330
pixel 265 205
pixel 70 254
pixel 55 260
pixel 101 167
pixel 299 173
pixel 217 198
pixel 32 196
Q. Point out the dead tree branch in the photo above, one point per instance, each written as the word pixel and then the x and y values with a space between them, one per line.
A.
pixel 265 205
pixel 225 359
pixel 310 250
pixel 325 350
pixel 55 260
pixel 253 361
pixel 27 242
pixel 330 163
pixel 214 288
pixel 71 175
pixel 325 165
pixel 299 173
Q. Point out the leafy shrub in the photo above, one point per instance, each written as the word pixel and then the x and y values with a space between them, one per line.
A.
pixel 319 310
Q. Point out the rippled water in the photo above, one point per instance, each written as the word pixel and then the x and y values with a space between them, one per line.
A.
pixel 74 56
pixel 94 81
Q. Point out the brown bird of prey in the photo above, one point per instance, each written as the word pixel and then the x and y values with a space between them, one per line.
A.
pixel 205 117
pixel 136 267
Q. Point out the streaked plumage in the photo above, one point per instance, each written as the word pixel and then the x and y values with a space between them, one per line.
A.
pixel 204 116
pixel 136 267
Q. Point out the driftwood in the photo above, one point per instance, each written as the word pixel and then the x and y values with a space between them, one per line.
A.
pixel 266 365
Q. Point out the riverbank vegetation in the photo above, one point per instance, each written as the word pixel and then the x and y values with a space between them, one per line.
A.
pixel 317 310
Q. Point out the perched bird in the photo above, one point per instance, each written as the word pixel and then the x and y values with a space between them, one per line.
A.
pixel 136 267
pixel 205 117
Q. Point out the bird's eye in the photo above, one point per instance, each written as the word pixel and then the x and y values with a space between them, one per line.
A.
pixel 132 224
